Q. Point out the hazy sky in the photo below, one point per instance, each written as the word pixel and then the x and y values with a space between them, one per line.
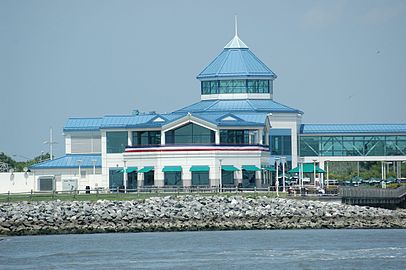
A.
pixel 338 61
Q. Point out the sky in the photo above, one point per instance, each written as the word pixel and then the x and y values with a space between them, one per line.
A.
pixel 337 61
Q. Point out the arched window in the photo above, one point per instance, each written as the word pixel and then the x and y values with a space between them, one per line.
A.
pixel 190 134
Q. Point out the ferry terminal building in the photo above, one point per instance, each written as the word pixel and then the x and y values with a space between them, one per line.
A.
pixel 234 136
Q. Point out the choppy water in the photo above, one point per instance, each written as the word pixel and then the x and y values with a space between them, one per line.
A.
pixel 277 249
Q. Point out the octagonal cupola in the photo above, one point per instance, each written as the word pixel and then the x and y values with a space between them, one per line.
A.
pixel 236 73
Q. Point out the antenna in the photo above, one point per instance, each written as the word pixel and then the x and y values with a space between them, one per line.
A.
pixel 235 25
pixel 51 143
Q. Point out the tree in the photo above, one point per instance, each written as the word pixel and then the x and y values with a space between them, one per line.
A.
pixel 19 166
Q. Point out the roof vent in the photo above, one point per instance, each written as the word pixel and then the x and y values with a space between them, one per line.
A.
pixel 159 119
pixel 228 118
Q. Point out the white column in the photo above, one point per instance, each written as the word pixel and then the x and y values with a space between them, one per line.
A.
pixel 159 177
pixel 140 180
pixel 130 138
pixel 382 173
pixel 283 159
pixel 186 177
pixel 162 137
pixel 260 136
pixel 217 137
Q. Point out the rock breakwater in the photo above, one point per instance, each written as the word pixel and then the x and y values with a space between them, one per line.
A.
pixel 189 213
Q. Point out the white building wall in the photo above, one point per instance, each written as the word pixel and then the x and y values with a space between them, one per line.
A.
pixel 87 177
pixel 17 182
pixel 186 159
pixel 68 144
pixel 288 121
pixel 26 182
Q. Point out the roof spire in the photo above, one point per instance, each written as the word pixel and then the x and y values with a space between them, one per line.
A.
pixel 236 42
pixel 236 25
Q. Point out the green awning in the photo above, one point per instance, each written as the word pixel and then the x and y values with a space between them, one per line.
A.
pixel 120 171
pixel 146 169
pixel 172 169
pixel 270 169
pixel 229 168
pixel 307 168
pixel 131 169
pixel 251 168
pixel 199 168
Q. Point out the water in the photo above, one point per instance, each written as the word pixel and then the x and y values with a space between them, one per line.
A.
pixel 276 249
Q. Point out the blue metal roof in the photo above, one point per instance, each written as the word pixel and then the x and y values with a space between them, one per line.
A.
pixel 352 128
pixel 83 124
pixel 120 121
pixel 203 109
pixel 241 119
pixel 70 161
pixel 238 105
pixel 236 62
pixel 123 121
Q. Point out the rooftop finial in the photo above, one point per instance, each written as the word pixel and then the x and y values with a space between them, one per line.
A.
pixel 236 25
pixel 236 42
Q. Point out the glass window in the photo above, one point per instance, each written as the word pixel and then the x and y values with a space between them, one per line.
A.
pixel 146 138
pixel 227 178
pixel 214 87
pixel 132 181
pixel 149 178
pixel 352 146
pixel 248 179
pixel 173 178
pixel 238 136
pixel 281 145
pixel 226 87
pixel 309 146
pixel 116 179
pixel 190 134
pixel 200 178
pixel 116 141
pixel 205 87
pixel 236 86
pixel 258 86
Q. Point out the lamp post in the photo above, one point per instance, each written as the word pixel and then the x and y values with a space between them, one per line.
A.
pixel 314 171
pixel 283 160
pixel 277 187
pixel 300 161
pixel 125 176
pixel 327 172
pixel 79 161
pixel 220 178
pixel 94 171
pixel 277 160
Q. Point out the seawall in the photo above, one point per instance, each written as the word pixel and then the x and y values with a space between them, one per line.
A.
pixel 189 213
